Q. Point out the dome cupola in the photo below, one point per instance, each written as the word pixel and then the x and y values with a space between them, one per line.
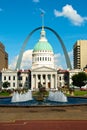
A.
pixel 43 52
pixel 43 44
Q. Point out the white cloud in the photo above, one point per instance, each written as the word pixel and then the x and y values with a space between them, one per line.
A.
pixel 36 1
pixel 12 65
pixel 71 14
pixel 26 60
pixel 59 60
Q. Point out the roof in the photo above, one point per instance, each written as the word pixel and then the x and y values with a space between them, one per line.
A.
pixel 43 46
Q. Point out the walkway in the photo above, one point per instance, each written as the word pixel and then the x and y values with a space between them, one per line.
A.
pixel 44 125
pixel 43 118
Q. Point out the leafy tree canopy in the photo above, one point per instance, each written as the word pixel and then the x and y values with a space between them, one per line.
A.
pixel 79 79
pixel 6 84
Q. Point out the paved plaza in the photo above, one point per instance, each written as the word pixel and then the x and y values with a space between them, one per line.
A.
pixel 43 118
pixel 44 125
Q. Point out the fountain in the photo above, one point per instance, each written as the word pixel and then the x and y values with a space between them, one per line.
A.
pixel 21 97
pixel 57 96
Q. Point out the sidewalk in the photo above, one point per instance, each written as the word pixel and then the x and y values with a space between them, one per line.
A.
pixel 10 114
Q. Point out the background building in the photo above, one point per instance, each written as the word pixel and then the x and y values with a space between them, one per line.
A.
pixel 10 76
pixel 80 54
pixel 24 79
pixel 16 79
pixel 62 78
pixel 3 57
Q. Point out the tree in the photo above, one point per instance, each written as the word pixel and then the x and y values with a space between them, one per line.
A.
pixel 6 84
pixel 79 79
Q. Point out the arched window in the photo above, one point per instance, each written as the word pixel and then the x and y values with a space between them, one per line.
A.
pixel 43 58
pixel 40 58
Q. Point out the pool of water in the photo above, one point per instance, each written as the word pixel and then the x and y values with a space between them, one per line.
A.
pixel 71 101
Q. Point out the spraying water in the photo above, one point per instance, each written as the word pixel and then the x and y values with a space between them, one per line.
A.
pixel 57 96
pixel 21 97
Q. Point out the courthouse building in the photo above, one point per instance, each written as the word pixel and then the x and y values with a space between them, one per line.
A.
pixel 43 70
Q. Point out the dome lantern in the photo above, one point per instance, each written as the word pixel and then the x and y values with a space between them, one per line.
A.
pixel 43 44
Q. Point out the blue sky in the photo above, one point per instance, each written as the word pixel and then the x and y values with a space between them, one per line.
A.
pixel 19 17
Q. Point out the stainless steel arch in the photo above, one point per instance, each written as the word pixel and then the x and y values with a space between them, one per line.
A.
pixel 26 41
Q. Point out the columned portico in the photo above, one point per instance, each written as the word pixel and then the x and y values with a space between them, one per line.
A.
pixel 47 78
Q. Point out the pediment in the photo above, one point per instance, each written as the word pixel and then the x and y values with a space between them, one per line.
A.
pixel 44 69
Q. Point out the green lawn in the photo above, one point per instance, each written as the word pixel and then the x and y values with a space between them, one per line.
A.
pixel 4 93
pixel 76 93
pixel 80 93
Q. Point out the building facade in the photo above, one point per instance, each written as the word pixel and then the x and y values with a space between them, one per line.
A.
pixel 3 57
pixel 46 76
pixel 24 79
pixel 62 78
pixel 16 79
pixel 80 54
pixel 9 76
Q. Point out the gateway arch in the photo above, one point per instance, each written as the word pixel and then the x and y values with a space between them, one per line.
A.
pixel 68 63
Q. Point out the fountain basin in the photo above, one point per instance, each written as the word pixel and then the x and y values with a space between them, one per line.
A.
pixel 6 101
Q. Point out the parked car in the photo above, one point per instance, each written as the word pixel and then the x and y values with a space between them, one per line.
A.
pixel 83 88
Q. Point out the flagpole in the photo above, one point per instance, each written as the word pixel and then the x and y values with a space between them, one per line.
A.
pixel 43 20
pixel 42 15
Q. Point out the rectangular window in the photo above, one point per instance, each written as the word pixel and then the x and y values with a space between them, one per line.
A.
pixel 26 78
pixel 9 84
pixel 13 77
pixel 49 77
pixel 4 77
pixel 39 77
pixel 13 84
pixel 20 78
pixel 43 76
pixel 45 58
pixel 59 78
pixel 9 78
pixel 20 84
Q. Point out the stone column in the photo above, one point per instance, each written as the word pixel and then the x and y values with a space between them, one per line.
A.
pixel 46 82
pixel 31 82
pixel 52 85
pixel 41 79
pixel 55 81
pixel 36 81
